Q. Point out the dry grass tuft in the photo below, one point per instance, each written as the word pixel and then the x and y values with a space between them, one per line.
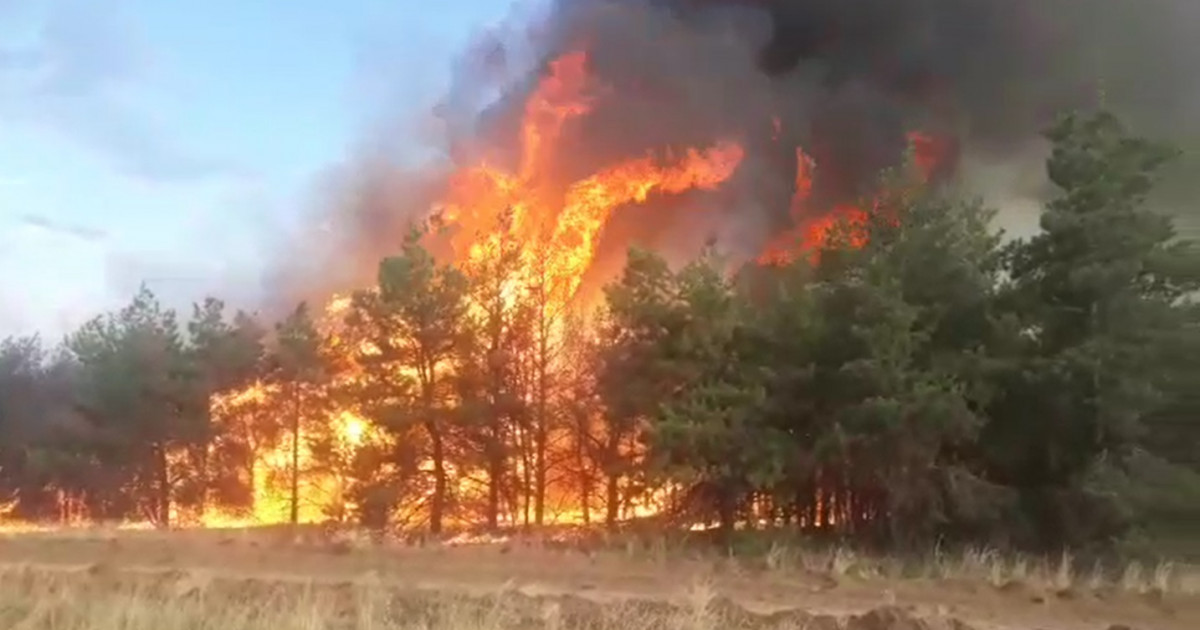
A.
pixel 33 599
pixel 47 600
pixel 1061 575
pixel 132 580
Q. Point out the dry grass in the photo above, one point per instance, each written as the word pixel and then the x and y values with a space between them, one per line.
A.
pixel 111 579
pixel 979 565
pixel 990 567
pixel 103 598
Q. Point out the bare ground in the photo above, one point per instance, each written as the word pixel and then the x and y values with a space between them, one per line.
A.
pixel 531 585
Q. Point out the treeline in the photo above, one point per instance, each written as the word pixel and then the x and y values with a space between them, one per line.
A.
pixel 917 380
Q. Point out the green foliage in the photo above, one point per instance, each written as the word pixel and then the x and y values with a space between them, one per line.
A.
pixel 24 400
pixel 412 324
pixel 631 378
pixel 711 432
pixel 119 418
pixel 916 381
pixel 494 413
pixel 227 355
pixel 297 367
pixel 930 382
pixel 132 390
pixel 1171 429
pixel 1096 294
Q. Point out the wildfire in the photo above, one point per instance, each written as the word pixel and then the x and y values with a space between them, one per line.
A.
pixel 555 224
pixel 930 153
pixel 562 224
pixel 275 453
pixel 813 227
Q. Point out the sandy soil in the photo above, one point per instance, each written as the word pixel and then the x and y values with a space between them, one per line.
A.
pixel 600 576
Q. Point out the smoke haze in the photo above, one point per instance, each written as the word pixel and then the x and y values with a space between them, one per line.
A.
pixel 844 79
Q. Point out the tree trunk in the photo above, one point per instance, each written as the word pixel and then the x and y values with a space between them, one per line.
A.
pixel 613 496
pixel 525 448
pixel 205 476
pixel 539 467
pixel 495 447
pixel 294 516
pixel 585 498
pixel 822 500
pixel 495 479
pixel 437 504
pixel 585 482
pixel 527 482
pixel 162 486
pixel 612 501
pixel 540 431
pixel 726 513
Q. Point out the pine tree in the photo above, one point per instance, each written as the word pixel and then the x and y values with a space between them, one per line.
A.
pixel 1094 294
pixel 414 323
pixel 297 367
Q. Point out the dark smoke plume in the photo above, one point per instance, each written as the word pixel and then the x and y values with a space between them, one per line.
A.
pixel 845 79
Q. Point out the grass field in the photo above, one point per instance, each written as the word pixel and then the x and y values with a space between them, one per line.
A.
pixel 268 579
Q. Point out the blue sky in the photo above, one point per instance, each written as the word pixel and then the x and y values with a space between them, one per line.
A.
pixel 167 141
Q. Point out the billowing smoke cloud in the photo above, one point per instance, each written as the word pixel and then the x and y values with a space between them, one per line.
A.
pixel 845 79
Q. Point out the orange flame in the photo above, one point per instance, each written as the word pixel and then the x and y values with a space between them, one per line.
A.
pixel 812 229
pixel 930 153
pixel 558 98
pixel 563 224
pixel 554 224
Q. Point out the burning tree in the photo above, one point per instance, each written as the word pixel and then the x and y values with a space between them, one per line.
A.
pixel 413 322
pixel 872 390
pixel 548 348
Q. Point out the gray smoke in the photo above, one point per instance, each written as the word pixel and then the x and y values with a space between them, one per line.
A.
pixel 846 80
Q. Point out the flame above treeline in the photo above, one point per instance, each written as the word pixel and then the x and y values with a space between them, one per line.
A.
pixel 564 188
pixel 658 123
pixel 666 123
pixel 555 224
